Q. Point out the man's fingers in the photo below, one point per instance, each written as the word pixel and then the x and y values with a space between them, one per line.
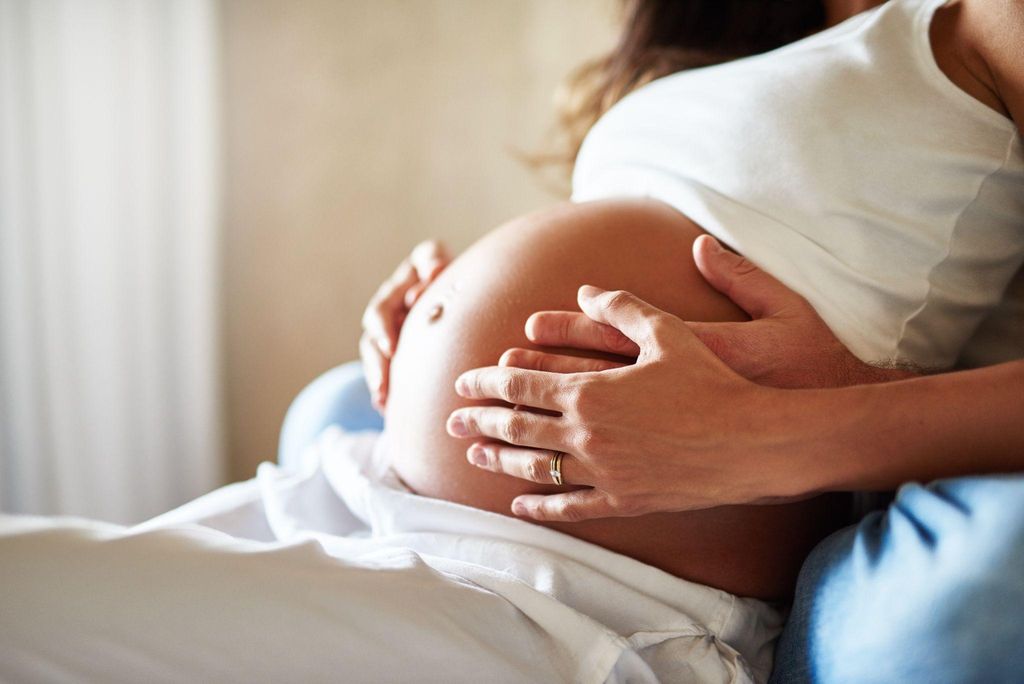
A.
pixel 750 288
pixel 526 464
pixel 582 504
pixel 553 363
pixel 514 385
pixel 575 330
pixel 644 323
pixel 521 428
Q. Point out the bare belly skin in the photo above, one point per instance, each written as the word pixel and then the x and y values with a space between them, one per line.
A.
pixel 537 263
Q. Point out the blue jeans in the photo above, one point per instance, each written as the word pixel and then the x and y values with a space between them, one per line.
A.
pixel 930 590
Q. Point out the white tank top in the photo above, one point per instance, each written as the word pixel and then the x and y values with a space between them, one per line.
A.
pixel 848 166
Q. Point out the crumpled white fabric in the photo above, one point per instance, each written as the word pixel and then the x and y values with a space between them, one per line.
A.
pixel 335 572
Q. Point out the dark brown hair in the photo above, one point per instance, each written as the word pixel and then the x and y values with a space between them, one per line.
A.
pixel 660 37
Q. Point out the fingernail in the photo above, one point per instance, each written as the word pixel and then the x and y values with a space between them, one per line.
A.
pixel 457 426
pixel 461 385
pixel 477 455
pixel 518 507
pixel 590 291
pixel 714 247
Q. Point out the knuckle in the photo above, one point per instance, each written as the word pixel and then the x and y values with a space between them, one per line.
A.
pixel 744 266
pixel 581 398
pixel 626 505
pixel 510 387
pixel 471 419
pixel 514 427
pixel 614 340
pixel 536 470
pixel 474 383
pixel 569 396
pixel 662 327
pixel 586 441
pixel 569 511
pixel 560 327
pixel 615 299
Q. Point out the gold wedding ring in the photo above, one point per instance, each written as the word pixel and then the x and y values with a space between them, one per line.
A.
pixel 556 466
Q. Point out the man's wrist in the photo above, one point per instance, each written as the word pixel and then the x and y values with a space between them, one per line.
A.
pixel 825 440
pixel 799 441
pixel 877 436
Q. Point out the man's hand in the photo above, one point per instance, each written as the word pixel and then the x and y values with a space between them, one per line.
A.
pixel 677 430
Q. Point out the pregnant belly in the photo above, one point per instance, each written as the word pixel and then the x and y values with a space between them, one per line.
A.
pixel 476 309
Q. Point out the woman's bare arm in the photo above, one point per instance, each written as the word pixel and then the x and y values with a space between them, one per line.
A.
pixel 878 436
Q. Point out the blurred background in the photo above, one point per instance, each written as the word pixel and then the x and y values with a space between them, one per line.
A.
pixel 198 197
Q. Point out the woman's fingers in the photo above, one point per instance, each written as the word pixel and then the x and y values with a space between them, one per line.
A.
pixel 375 368
pixel 521 428
pixel 429 258
pixel 384 315
pixel 514 385
pixel 527 464
pixel 414 292
pixel 582 504
pixel 553 363
pixel 575 330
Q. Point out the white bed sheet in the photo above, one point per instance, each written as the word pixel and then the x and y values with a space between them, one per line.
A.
pixel 335 573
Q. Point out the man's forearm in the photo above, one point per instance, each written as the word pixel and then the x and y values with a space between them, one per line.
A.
pixel 878 436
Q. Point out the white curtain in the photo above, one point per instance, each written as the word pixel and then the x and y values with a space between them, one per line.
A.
pixel 109 373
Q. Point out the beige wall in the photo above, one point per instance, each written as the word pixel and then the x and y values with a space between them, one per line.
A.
pixel 353 130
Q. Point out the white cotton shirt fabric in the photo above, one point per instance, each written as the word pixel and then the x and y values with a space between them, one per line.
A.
pixel 852 169
pixel 337 573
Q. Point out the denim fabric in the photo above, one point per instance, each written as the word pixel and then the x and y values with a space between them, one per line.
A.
pixel 930 590
pixel 338 397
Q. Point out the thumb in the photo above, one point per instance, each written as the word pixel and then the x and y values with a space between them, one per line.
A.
pixel 750 288
pixel 633 317
pixel 574 506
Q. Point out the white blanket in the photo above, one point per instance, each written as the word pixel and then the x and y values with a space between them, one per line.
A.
pixel 335 573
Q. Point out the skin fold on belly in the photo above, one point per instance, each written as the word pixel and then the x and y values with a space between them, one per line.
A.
pixel 476 310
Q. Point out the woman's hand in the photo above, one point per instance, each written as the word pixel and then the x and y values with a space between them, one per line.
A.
pixel 677 430
pixel 785 344
pixel 386 312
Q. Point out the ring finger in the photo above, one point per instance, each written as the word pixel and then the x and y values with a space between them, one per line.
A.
pixel 526 464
